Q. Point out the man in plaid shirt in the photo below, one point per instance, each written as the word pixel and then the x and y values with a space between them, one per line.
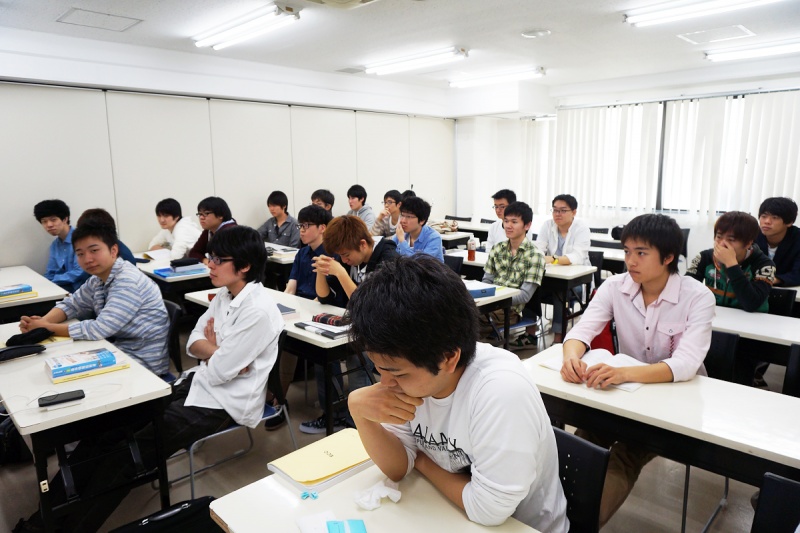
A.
pixel 517 262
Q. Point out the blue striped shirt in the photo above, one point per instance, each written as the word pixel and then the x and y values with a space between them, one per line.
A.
pixel 127 307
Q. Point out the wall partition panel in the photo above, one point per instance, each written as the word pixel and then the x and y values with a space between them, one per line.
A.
pixel 252 151
pixel 383 154
pixel 54 145
pixel 323 153
pixel 160 148
pixel 433 175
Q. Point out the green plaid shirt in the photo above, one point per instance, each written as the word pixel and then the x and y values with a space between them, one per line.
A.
pixel 514 270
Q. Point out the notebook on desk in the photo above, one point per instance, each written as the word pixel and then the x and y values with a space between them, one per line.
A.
pixel 594 357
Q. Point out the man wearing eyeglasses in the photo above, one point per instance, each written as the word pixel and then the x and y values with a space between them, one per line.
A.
pixel 388 218
pixel 564 240
pixel 413 235
pixel 214 214
pixel 497 232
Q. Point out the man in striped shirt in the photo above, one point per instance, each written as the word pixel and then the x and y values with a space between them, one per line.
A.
pixel 118 302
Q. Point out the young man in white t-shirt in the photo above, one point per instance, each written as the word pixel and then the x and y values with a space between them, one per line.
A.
pixel 177 234
pixel 466 415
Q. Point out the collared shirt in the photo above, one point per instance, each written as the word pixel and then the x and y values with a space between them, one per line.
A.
pixel 428 242
pixel 527 265
pixel 128 307
pixel 575 245
pixel 62 265
pixel 247 329
pixel 287 234
pixel 303 271
pixel 180 240
pixel 675 329
pixel 497 234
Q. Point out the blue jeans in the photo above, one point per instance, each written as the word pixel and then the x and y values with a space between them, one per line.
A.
pixel 357 380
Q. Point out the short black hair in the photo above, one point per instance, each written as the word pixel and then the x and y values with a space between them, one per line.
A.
pixel 51 208
pixel 324 195
pixel 778 206
pixel 418 207
pixel 508 194
pixel 659 231
pixel 246 246
pixel 278 198
pixel 216 205
pixel 169 207
pixel 394 194
pixel 743 226
pixel 97 216
pixel 567 199
pixel 418 287
pixel 95 228
pixel 520 209
pixel 406 195
pixel 357 191
pixel 314 214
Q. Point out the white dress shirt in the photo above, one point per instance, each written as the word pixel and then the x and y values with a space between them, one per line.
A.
pixel 576 243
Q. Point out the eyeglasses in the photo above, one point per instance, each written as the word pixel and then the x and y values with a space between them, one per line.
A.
pixel 389 202
pixel 219 260
pixel 560 211
pixel 499 207
pixel 304 226
pixel 407 216
pixel 204 214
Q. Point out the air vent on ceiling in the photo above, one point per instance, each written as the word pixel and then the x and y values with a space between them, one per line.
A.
pixel 93 19
pixel 343 4
pixel 716 35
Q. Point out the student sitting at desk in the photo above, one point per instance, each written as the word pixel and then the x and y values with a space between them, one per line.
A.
pixel 103 217
pixel 117 301
pixel 177 234
pixel 389 217
pixel 281 229
pixel 323 198
pixel 662 318
pixel 236 341
pixel 737 272
pixel 466 415
pixel 62 266
pixel 214 215
pixel 348 237
pixel 413 235
pixel 780 239
pixel 357 199
pixel 497 234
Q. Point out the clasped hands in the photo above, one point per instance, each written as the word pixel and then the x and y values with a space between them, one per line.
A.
pixel 328 266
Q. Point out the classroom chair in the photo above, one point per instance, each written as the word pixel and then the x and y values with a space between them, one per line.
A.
pixel 270 411
pixel 719 362
pixel 531 316
pixel 454 262
pixel 461 219
pixel 777 510
pixel 685 249
pixel 582 470
pixel 781 301
pixel 596 260
pixel 173 339
pixel 791 381
pixel 603 231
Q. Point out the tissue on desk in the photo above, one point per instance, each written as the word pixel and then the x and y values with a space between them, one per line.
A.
pixel 370 499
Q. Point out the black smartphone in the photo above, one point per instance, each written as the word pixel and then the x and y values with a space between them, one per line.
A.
pixel 54 399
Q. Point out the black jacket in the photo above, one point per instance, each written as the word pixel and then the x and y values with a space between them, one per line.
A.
pixel 787 257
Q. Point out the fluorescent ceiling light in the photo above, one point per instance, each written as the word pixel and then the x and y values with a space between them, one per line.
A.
pixel 750 53
pixel 684 10
pixel 498 78
pixel 255 23
pixel 417 61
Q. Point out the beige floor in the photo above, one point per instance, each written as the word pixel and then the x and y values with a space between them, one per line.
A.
pixel 654 505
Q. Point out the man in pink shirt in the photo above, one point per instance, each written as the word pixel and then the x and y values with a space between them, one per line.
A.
pixel 662 318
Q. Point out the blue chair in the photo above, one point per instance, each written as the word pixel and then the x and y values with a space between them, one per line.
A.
pixel 778 510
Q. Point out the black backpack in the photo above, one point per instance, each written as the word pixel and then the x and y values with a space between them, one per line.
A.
pixel 12 448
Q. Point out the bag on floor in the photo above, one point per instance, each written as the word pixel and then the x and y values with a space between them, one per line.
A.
pixel 189 516
pixel 12 448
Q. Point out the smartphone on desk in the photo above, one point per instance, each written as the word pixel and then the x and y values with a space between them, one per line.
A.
pixel 63 397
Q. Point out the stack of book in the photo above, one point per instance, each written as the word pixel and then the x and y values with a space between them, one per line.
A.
pixel 281 251
pixel 83 364
pixel 171 272
pixel 20 291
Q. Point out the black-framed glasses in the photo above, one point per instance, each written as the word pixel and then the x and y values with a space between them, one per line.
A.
pixel 305 226
pixel 408 216
pixel 219 260
pixel 389 202
pixel 560 211
pixel 204 214
pixel 499 207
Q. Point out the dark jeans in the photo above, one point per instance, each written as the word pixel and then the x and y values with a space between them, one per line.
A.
pixel 182 426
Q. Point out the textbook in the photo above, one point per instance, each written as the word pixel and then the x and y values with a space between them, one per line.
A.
pixel 594 357
pixel 19 296
pixel 280 251
pixel 325 462
pixel 121 364
pixel 158 255
pixel 76 363
pixel 12 290
pixel 169 273
pixel 332 332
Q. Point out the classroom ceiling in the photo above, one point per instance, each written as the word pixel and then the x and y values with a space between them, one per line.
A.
pixel 588 41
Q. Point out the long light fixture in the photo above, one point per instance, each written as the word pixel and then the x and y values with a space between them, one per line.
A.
pixel 688 10
pixel 417 61
pixel 253 24
pixel 498 78
pixel 754 52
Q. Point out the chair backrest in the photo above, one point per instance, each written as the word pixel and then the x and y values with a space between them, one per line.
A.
pixel 791 381
pixel 721 356
pixel 685 249
pixel 606 339
pixel 599 230
pixel 173 339
pixel 781 301
pixel 606 244
pixel 596 259
pixel 454 262
pixel 274 378
pixel 487 221
pixel 777 510
pixel 453 217
pixel 582 471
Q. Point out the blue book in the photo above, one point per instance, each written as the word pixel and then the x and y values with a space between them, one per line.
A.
pixel 169 273
pixel 10 290
pixel 76 363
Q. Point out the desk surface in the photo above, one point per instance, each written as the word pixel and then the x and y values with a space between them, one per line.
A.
pixel 609 254
pixel 23 381
pixel 473 226
pixel 149 267
pixel 46 289
pixel 455 235
pixel 551 271
pixel 274 502
pixel 501 293
pixel 774 329
pixel 746 419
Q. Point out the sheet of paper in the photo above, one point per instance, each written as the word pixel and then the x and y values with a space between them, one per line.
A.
pixel 594 357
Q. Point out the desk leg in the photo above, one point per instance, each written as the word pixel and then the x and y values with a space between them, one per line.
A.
pixel 328 400
pixel 40 462
pixel 506 325
pixel 564 297
pixel 161 459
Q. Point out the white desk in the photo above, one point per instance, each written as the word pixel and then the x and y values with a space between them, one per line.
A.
pixel 113 398
pixel 274 504
pixel 609 254
pixel 453 239
pixel 773 329
pixel 480 230
pixel 48 293
pixel 722 427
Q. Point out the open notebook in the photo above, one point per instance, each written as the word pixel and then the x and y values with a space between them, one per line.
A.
pixel 594 357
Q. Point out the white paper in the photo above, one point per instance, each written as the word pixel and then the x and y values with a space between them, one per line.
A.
pixel 595 357
pixel 315 523
pixel 328 327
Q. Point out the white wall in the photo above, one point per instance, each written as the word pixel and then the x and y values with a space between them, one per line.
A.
pixel 124 152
